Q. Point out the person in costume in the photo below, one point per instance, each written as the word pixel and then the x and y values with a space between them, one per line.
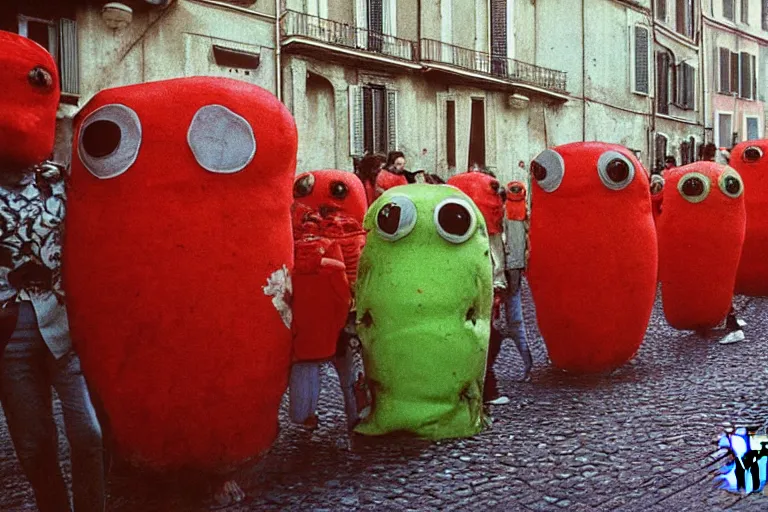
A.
pixel 180 254
pixel 701 233
pixel 750 161
pixel 484 190
pixel 328 213
pixel 516 225
pixel 424 297
pixel 593 252
pixel 37 350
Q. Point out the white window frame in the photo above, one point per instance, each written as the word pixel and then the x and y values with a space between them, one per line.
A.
pixel 650 72
pixel 718 113
pixel 745 132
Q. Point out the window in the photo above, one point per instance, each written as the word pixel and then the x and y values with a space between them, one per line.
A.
pixel 660 149
pixel 499 47
pixel 746 76
pixel 752 128
pixel 375 18
pixel 450 133
pixel 684 23
pixel 372 119
pixel 724 130
pixel 685 153
pixel 725 71
pixel 661 10
pixel 686 87
pixel 738 74
pixel 59 36
pixel 477 134
pixel 745 11
pixel 641 60
pixel 728 9
pixel 662 82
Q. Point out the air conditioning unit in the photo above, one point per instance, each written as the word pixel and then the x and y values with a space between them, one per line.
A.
pixel 517 101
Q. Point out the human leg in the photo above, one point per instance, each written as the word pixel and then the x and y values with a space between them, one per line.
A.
pixel 344 362
pixel 516 328
pixel 304 393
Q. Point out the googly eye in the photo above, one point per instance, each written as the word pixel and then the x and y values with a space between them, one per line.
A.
pixel 222 141
pixel 752 154
pixel 455 220
pixel 694 187
pixel 615 170
pixel 396 219
pixel 339 190
pixel 40 77
pixel 548 170
pixel 730 183
pixel 109 140
pixel 303 185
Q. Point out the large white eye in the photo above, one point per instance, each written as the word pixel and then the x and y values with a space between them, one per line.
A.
pixel 109 141
pixel 694 187
pixel 455 220
pixel 396 219
pixel 752 154
pixel 222 141
pixel 730 183
pixel 548 170
pixel 615 170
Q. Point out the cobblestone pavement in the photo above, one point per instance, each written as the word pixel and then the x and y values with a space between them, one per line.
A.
pixel 643 438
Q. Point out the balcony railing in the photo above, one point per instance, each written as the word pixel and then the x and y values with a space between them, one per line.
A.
pixel 298 24
pixel 499 67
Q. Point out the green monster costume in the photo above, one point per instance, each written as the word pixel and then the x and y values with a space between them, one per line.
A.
pixel 424 296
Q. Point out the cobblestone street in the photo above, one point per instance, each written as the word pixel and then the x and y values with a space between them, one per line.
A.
pixel 641 439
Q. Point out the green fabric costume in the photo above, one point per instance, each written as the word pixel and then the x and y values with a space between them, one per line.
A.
pixel 424 296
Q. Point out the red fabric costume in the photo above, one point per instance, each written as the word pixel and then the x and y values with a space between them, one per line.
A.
pixel 515 206
pixel 483 189
pixel 28 103
pixel 328 212
pixel 593 261
pixel 701 233
pixel 387 180
pixel 750 159
pixel 178 269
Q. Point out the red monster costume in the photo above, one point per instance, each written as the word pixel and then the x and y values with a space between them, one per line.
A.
pixel 328 213
pixel 179 250
pixel 29 101
pixel 701 232
pixel 483 189
pixel 593 261
pixel 515 206
pixel 750 161
pixel 387 180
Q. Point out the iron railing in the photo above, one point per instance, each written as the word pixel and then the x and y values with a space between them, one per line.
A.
pixel 500 67
pixel 298 24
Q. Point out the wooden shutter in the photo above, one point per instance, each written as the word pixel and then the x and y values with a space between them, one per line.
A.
pixel 728 9
pixel 725 70
pixel 690 87
pixel 68 55
pixel 754 78
pixel 662 82
pixel 392 120
pixel 356 120
pixel 641 59
pixel 745 11
pixel 734 73
pixel 745 82
pixel 764 15
pixel 661 10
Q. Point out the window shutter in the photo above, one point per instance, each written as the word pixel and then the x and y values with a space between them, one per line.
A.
pixel 734 73
pixel 641 60
pixel 392 120
pixel 745 11
pixel 68 65
pixel 728 9
pixel 754 77
pixel 745 84
pixel 662 82
pixel 661 10
pixel 765 14
pixel 725 72
pixel 356 120
pixel 692 150
pixel 361 20
pixel 690 86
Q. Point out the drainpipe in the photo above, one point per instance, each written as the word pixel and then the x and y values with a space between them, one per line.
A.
pixel 278 77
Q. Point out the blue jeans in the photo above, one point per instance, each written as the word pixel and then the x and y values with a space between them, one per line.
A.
pixel 515 324
pixel 27 372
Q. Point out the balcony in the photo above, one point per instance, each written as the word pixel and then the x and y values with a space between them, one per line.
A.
pixel 332 39
pixel 478 66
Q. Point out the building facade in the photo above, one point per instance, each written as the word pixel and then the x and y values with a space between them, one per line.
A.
pixel 451 83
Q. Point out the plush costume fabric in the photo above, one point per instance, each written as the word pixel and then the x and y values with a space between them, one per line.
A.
pixel 515 205
pixel 178 269
pixel 424 313
pixel 752 276
pixel 387 180
pixel 593 261
pixel 28 104
pixel 483 189
pixel 699 246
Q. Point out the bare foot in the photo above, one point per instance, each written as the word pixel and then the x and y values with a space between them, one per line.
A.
pixel 228 494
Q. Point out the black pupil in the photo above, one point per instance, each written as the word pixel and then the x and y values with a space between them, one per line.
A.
pixel 389 218
pixel 454 219
pixel 539 171
pixel 693 187
pixel 40 77
pixel 617 170
pixel 101 138
pixel 339 190
pixel 302 187
pixel 752 154
pixel 732 185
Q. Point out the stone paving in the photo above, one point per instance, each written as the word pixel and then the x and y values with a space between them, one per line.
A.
pixel 643 438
